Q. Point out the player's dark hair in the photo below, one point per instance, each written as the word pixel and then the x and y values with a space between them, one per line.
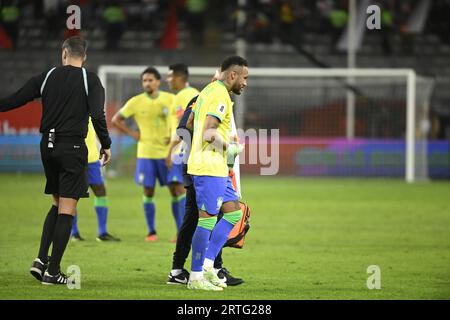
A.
pixel 76 46
pixel 180 69
pixel 233 61
pixel 153 71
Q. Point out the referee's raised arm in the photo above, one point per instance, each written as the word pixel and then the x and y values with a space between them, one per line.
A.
pixel 96 102
pixel 29 92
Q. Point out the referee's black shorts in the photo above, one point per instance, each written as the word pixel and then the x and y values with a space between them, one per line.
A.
pixel 65 167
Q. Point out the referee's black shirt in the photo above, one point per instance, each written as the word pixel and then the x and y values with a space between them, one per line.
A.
pixel 187 179
pixel 65 104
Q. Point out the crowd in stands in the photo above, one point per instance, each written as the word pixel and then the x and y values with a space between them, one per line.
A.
pixel 288 20
pixel 267 20
pixel 111 16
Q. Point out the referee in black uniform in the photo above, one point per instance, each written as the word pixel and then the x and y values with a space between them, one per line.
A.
pixel 69 95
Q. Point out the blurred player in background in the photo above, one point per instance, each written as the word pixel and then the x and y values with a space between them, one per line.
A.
pixel 97 184
pixel 178 82
pixel 208 165
pixel 151 111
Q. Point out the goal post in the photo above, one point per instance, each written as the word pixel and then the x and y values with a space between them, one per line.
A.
pixel 312 89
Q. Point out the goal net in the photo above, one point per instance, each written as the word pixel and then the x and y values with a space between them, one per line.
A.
pixel 382 134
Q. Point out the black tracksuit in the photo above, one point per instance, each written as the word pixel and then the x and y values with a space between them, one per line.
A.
pixel 190 219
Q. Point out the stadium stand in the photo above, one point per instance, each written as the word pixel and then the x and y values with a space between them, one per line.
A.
pixel 279 34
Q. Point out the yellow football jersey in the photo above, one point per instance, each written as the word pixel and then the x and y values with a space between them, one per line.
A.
pixel 180 102
pixel 153 118
pixel 204 159
pixel 91 144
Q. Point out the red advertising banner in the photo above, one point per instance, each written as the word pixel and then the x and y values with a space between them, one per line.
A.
pixel 22 121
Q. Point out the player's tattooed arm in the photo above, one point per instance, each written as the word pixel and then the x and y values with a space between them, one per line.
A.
pixel 211 135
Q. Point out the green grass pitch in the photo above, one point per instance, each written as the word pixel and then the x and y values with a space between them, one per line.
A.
pixel 309 239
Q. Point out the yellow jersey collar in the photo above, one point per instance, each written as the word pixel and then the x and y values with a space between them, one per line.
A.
pixel 185 88
pixel 223 84
pixel 150 97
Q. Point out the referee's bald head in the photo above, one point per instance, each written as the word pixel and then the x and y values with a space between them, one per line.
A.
pixel 75 46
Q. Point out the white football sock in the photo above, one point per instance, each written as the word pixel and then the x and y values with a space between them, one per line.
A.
pixel 208 264
pixel 196 275
pixel 175 272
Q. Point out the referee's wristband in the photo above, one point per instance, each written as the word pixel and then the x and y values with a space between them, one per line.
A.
pixel 106 143
pixel 106 146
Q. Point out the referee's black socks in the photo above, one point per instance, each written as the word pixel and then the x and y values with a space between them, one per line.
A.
pixel 61 237
pixel 47 233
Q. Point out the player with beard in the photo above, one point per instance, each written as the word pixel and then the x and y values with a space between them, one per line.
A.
pixel 151 110
pixel 211 152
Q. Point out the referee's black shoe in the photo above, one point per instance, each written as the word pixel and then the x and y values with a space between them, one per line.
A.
pixel 181 278
pixel 59 278
pixel 229 279
pixel 107 237
pixel 38 268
